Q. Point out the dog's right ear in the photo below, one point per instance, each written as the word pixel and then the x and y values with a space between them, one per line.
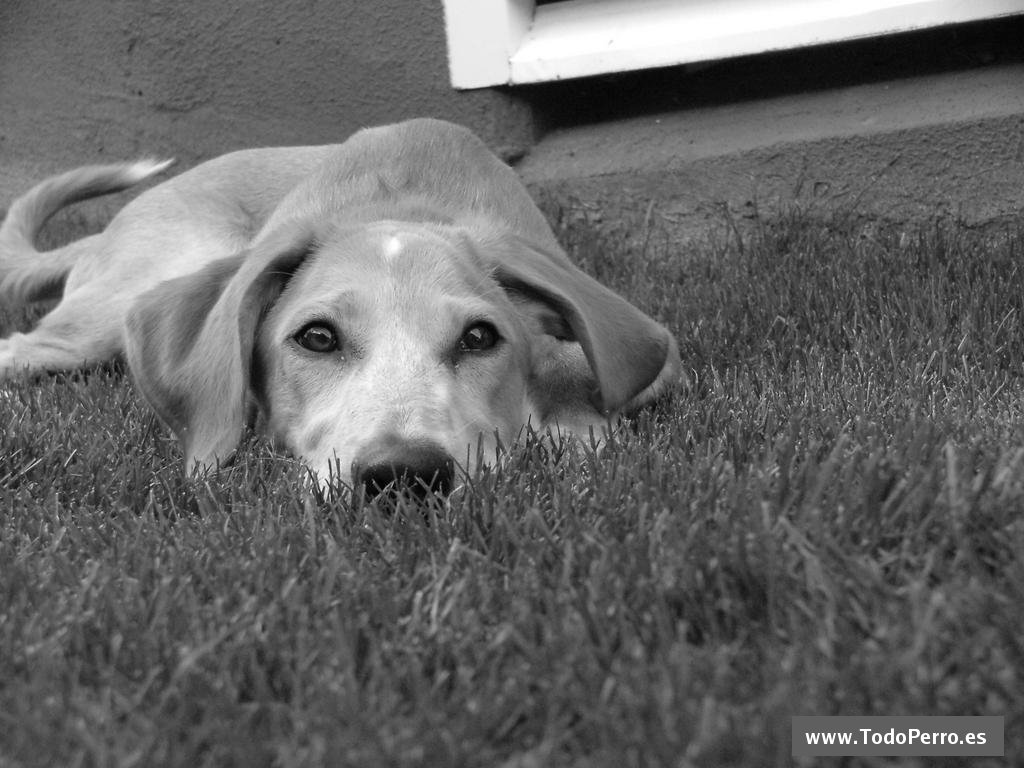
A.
pixel 189 343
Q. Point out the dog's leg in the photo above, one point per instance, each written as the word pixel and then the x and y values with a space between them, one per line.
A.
pixel 84 329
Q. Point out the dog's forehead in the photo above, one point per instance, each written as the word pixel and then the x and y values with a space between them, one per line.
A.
pixel 393 245
pixel 406 254
pixel 394 273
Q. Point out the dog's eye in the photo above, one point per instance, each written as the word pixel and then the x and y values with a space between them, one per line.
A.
pixel 317 338
pixel 478 337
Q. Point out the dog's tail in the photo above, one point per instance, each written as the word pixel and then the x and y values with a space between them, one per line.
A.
pixel 28 275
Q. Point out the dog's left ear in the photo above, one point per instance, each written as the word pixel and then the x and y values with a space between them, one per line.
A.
pixel 632 359
pixel 190 343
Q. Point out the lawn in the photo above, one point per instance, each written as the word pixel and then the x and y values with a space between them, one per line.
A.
pixel 826 521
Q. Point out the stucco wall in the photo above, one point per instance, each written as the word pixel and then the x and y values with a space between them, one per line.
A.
pixel 93 79
pixel 908 127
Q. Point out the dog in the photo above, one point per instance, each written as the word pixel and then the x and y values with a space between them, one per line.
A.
pixel 387 309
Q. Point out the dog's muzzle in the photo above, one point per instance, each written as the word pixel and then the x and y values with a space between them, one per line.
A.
pixel 394 464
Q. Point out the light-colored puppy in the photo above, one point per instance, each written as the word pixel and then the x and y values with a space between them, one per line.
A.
pixel 387 304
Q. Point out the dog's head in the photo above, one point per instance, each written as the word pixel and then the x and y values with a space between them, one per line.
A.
pixel 389 350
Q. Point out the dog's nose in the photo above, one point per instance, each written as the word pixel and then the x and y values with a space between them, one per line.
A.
pixel 417 466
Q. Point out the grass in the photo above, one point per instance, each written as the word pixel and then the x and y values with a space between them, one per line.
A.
pixel 827 521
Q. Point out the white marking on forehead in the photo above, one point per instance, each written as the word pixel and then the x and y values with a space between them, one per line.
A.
pixel 392 247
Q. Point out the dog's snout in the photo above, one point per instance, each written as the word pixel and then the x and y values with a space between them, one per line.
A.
pixel 416 466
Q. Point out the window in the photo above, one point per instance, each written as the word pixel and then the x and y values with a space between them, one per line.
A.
pixel 497 42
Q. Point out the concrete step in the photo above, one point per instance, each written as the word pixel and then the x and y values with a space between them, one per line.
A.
pixel 940 146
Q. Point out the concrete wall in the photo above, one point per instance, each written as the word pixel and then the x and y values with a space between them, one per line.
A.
pixel 904 128
pixel 89 80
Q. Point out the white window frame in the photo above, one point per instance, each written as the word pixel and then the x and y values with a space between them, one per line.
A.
pixel 503 42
